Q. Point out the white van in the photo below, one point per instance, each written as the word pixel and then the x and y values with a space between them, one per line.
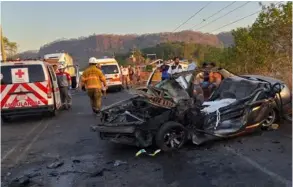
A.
pixel 112 72
pixel 28 87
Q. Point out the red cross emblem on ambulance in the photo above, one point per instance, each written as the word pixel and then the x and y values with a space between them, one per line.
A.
pixel 19 73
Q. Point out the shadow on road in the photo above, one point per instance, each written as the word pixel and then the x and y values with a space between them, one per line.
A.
pixel 26 119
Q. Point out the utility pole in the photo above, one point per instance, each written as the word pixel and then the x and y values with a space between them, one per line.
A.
pixel 3 55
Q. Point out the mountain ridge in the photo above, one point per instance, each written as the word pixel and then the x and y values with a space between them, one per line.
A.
pixel 82 48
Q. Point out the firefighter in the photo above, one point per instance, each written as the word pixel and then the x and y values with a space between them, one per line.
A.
pixel 93 78
pixel 64 83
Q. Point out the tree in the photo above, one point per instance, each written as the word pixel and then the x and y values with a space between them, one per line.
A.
pixel 10 47
pixel 266 46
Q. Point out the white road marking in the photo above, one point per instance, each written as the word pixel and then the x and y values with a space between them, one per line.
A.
pixel 32 142
pixel 17 145
pixel 261 168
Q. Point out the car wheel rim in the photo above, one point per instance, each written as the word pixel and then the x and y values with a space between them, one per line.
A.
pixel 270 119
pixel 174 138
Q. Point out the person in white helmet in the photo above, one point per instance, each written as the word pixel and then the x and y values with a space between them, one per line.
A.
pixel 64 83
pixel 93 79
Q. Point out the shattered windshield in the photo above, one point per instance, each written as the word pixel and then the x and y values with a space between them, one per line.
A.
pixel 174 88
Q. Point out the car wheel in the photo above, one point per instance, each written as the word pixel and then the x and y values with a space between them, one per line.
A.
pixel 271 119
pixel 171 136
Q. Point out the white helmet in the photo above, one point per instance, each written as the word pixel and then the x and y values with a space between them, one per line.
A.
pixel 61 67
pixel 93 60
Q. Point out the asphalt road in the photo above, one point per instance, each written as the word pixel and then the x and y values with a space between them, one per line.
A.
pixel 32 149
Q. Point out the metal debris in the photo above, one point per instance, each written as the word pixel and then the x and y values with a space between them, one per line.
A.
pixel 150 154
pixel 76 161
pixel 119 162
pixel 55 164
pixel 140 152
pixel 20 182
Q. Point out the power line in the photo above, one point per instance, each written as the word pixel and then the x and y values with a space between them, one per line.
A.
pixel 242 18
pixel 213 14
pixel 236 21
pixel 192 16
pixel 225 14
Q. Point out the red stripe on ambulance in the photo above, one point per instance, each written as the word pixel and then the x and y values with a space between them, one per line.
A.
pixel 41 86
pixel 6 97
pixel 44 100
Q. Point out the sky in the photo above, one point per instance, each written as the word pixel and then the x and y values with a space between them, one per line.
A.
pixel 33 24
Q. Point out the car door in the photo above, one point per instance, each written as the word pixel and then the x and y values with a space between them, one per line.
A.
pixel 55 88
pixel 75 78
pixel 150 79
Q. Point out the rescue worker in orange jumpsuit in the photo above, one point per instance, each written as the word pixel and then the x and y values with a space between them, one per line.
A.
pixel 215 78
pixel 93 78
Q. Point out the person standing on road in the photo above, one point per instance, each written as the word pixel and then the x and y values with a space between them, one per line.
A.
pixel 176 67
pixel 55 67
pixel 64 83
pixel 131 74
pixel 125 74
pixel 137 70
pixel 93 78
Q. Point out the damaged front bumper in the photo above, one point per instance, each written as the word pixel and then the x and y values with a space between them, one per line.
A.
pixel 132 122
pixel 124 133
pixel 122 129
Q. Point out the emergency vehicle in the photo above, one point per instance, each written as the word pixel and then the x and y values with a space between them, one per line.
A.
pixel 28 87
pixel 65 60
pixel 112 72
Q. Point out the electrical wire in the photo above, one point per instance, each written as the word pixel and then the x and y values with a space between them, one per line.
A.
pixel 204 20
pixel 225 14
pixel 192 16
pixel 242 18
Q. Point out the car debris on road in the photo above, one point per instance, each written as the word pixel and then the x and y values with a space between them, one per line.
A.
pixel 142 151
pixel 55 164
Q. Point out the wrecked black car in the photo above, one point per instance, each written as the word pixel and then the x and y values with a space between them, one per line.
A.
pixel 169 113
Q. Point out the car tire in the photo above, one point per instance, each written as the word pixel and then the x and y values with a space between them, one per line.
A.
pixel 54 113
pixel 172 143
pixel 119 89
pixel 271 119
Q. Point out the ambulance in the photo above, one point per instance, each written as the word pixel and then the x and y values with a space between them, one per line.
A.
pixel 112 72
pixel 28 87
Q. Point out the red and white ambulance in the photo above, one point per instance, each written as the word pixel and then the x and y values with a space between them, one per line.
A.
pixel 112 72
pixel 28 87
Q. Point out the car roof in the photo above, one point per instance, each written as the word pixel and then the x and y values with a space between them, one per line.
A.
pixel 26 62
pixel 53 55
pixel 107 60
pixel 265 78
